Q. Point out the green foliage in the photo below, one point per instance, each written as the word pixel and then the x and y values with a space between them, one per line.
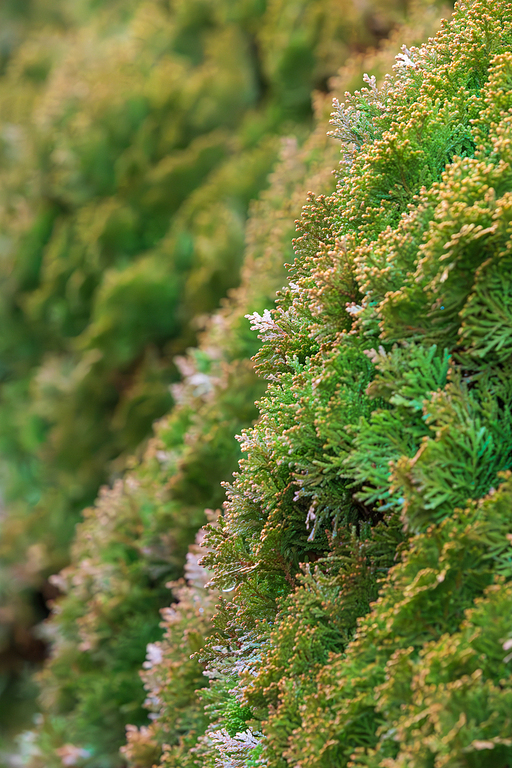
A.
pixel 425 613
pixel 365 547
pixel 171 676
pixel 135 539
pixel 133 138
pixel 149 518
pixel 240 643
pixel 361 567
pixel 235 717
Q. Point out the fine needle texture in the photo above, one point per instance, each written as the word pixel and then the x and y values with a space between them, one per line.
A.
pixel 363 559
pixel 135 136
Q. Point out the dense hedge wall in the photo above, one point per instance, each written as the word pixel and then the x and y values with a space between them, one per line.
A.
pixel 133 137
pixel 359 612
pixel 362 563
pixel 135 538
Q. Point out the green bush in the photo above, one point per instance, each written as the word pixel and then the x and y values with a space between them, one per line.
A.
pixel 133 137
pixel 363 558
pixel 167 685
pixel 135 539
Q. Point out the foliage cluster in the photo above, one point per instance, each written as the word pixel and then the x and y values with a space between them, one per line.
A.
pixel 363 560
pixel 178 748
pixel 133 137
pixel 135 539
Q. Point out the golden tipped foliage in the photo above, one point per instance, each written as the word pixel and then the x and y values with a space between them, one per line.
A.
pixel 133 137
pixel 134 540
pixel 365 545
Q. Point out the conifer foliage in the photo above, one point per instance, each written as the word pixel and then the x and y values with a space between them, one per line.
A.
pixel 133 136
pixel 359 614
pixel 363 557
pixel 134 540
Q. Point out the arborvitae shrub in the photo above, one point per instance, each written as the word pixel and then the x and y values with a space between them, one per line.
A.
pixel 365 550
pixel 135 539
pixel 165 682
pixel 133 137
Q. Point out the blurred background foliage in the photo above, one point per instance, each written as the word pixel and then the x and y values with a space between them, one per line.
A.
pixel 133 138
pixel 135 538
